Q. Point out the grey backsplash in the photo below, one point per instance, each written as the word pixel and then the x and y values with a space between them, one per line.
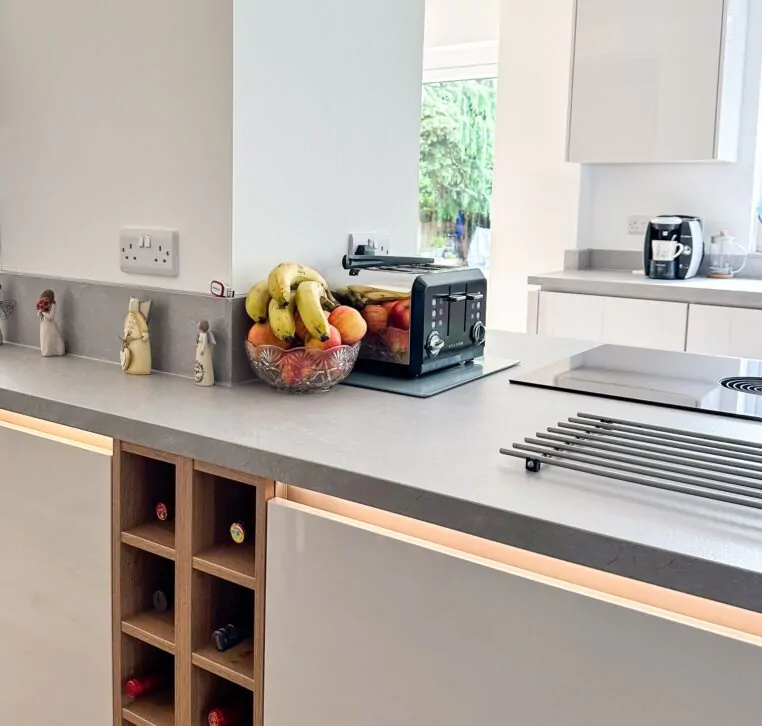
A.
pixel 91 318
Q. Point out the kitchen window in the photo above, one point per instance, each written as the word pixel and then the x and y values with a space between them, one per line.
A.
pixel 456 170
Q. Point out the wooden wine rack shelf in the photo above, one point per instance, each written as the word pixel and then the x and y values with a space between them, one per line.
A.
pixel 214 582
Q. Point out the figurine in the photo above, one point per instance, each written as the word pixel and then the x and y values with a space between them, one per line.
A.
pixel 136 345
pixel 203 371
pixel 51 342
pixel 6 308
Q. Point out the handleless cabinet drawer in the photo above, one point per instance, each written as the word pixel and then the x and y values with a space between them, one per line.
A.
pixel 716 330
pixel 369 626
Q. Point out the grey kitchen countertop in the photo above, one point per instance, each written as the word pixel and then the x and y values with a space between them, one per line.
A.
pixel 434 459
pixel 738 292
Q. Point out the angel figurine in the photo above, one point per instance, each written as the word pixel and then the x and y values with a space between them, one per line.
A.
pixel 6 308
pixel 135 354
pixel 203 370
pixel 51 342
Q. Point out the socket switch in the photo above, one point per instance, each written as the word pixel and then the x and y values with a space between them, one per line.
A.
pixel 637 224
pixel 380 241
pixel 149 252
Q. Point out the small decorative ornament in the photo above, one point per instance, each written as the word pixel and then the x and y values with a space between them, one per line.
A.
pixel 6 308
pixel 203 370
pixel 51 342
pixel 135 354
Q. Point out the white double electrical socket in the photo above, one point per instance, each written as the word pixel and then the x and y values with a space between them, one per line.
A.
pixel 149 252
pixel 637 224
pixel 381 241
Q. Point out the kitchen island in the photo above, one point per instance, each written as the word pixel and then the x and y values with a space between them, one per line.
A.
pixel 407 507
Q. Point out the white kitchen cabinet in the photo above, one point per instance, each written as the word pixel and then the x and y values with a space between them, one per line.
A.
pixel 619 321
pixel 366 626
pixel 656 80
pixel 718 330
pixel 644 323
pixel 55 577
pixel 562 315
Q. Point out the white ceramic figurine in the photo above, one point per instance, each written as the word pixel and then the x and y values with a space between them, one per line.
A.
pixel 136 343
pixel 51 342
pixel 203 370
pixel 6 308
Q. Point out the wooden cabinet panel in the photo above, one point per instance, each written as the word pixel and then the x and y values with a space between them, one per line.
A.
pixel 718 330
pixel 365 626
pixel 55 578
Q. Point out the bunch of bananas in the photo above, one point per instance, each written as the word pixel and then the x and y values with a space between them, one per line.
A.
pixel 289 288
pixel 359 296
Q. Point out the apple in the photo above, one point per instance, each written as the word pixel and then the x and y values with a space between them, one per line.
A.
pixel 295 368
pixel 389 306
pixel 334 340
pixel 377 318
pixel 397 342
pixel 262 334
pixel 400 315
pixel 301 329
pixel 350 324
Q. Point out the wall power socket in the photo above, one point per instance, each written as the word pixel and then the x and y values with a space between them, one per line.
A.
pixel 149 252
pixel 380 241
pixel 637 224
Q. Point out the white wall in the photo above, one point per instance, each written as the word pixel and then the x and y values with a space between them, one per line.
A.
pixel 327 128
pixel 455 22
pixel 461 39
pixel 724 194
pixel 536 201
pixel 115 114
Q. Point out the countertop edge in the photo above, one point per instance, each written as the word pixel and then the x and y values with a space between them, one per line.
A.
pixel 628 285
pixel 608 554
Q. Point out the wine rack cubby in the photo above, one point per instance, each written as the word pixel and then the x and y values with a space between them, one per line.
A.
pixel 179 579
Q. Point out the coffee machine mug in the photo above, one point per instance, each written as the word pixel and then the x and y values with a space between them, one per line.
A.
pixel 666 250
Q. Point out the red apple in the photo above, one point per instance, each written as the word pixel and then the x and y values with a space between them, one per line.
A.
pixel 301 329
pixel 400 315
pixel 377 318
pixel 350 324
pixel 389 306
pixel 334 340
pixel 262 334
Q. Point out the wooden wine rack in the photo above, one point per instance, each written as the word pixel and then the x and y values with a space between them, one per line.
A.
pixel 215 582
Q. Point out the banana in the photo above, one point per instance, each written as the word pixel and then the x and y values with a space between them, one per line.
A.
pixel 282 321
pixel 309 297
pixel 257 302
pixel 289 275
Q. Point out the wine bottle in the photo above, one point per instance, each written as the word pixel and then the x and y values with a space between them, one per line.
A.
pixel 165 511
pixel 140 686
pixel 163 600
pixel 227 716
pixel 228 637
pixel 240 532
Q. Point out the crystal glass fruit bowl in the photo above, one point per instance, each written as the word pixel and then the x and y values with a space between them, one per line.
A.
pixel 302 370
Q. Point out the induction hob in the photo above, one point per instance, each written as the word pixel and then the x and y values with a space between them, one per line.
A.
pixel 711 384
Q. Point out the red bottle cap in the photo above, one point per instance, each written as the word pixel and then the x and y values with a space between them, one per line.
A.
pixel 137 687
pixel 226 716
pixel 162 511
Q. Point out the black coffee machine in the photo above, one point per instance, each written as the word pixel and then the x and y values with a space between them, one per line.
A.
pixel 673 248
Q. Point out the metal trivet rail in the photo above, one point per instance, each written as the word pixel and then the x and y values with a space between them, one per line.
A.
pixel 702 465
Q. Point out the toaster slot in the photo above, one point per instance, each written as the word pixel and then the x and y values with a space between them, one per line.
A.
pixel 457 327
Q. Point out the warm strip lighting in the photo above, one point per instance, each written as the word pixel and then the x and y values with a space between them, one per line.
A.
pixel 679 607
pixel 56 432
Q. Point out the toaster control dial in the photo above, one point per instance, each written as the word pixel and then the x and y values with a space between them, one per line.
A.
pixel 434 344
pixel 479 333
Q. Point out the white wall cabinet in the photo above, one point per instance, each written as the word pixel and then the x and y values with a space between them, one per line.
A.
pixel 655 81
pixel 619 321
pixel 718 330
pixel 55 579
pixel 365 626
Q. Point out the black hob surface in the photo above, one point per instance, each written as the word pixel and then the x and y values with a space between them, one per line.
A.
pixel 726 386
